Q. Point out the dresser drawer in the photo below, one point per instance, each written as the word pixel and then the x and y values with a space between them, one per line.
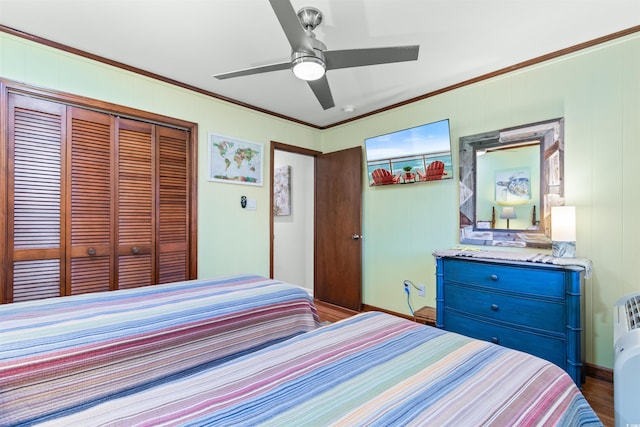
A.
pixel 527 306
pixel 523 311
pixel 546 282
pixel 545 347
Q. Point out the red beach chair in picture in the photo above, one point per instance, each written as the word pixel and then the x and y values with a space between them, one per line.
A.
pixel 435 171
pixel 383 177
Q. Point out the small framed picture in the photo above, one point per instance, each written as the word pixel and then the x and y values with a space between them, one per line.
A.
pixel 282 191
pixel 513 185
pixel 483 225
pixel 235 161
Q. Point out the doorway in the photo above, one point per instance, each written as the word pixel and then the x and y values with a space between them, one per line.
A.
pixel 292 235
pixel 334 247
pixel 293 218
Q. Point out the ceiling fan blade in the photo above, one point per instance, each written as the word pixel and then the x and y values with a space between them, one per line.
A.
pixel 291 26
pixel 255 70
pixel 336 59
pixel 321 90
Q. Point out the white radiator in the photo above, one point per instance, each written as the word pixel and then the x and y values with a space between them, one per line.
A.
pixel 626 368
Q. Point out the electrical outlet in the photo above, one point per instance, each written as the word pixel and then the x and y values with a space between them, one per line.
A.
pixel 421 290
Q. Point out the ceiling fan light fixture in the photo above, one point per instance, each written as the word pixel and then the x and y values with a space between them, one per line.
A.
pixel 308 60
pixel 308 68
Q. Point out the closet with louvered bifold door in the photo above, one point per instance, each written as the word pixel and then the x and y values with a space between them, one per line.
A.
pixel 95 202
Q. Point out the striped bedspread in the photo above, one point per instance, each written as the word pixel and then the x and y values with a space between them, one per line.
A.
pixel 60 355
pixel 371 369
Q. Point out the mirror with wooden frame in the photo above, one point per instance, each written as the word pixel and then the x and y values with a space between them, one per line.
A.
pixel 509 180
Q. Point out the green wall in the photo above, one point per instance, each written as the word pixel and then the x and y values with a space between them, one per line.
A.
pixel 230 239
pixel 597 91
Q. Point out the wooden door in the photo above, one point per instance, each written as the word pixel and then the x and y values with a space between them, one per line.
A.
pixel 35 242
pixel 136 181
pixel 91 220
pixel 338 265
pixel 173 205
pixel 92 202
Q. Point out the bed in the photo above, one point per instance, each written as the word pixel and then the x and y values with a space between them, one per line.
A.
pixel 65 354
pixel 370 369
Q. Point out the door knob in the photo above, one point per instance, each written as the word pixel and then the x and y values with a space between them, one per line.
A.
pixel 91 251
pixel 356 236
pixel 135 250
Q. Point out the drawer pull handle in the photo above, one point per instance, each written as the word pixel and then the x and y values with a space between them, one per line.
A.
pixel 494 307
pixel 135 250
pixel 495 340
pixel 91 251
pixel 494 277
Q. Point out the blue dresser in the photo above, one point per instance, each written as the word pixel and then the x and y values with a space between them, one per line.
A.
pixel 531 307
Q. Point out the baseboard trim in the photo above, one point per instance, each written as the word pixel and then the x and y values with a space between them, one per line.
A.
pixel 599 372
pixel 337 308
pixel 591 370
pixel 366 307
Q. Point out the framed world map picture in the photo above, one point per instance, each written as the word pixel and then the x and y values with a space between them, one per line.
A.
pixel 235 161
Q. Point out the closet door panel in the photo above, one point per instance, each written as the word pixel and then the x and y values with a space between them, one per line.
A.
pixel 92 202
pixel 91 205
pixel 173 230
pixel 35 216
pixel 135 210
pixel 36 279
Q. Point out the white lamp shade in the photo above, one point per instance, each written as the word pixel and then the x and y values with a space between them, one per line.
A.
pixel 508 213
pixel 563 223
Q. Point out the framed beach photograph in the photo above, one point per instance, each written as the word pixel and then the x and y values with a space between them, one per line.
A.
pixel 235 161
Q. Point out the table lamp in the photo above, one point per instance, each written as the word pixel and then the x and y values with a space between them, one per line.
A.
pixel 508 213
pixel 563 231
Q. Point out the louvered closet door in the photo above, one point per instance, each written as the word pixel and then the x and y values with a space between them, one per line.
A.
pixel 135 208
pixel 35 215
pixel 91 206
pixel 173 236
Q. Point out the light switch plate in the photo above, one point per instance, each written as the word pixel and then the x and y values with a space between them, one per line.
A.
pixel 252 204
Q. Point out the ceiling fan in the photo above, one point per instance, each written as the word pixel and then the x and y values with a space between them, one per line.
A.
pixel 309 57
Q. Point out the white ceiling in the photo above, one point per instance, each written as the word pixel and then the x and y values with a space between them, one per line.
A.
pixel 190 40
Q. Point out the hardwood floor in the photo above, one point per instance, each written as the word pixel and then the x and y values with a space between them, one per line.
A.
pixel 332 313
pixel 599 393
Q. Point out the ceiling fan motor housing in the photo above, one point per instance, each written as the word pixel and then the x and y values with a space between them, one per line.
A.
pixel 317 52
pixel 312 61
